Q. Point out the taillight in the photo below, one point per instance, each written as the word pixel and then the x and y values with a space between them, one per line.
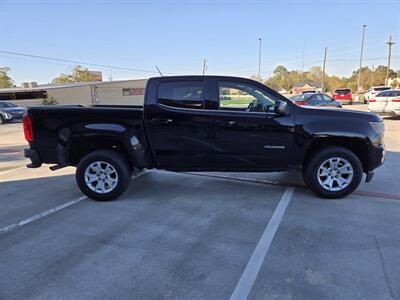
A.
pixel 28 131
pixel 300 102
pixel 395 100
pixel 372 100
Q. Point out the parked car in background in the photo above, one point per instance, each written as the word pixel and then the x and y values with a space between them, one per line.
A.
pixel 316 99
pixel 309 92
pixel 10 112
pixel 343 95
pixel 370 94
pixel 385 103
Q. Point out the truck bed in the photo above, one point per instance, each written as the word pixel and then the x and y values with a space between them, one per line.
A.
pixel 55 126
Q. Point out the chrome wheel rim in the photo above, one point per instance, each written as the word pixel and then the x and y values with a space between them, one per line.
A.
pixel 335 174
pixel 101 177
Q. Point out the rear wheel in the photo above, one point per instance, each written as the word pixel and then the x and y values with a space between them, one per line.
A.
pixel 103 175
pixel 333 172
pixel 2 121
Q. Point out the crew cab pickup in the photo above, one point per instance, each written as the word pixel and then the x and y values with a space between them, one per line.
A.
pixel 206 123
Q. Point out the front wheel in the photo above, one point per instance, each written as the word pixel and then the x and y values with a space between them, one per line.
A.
pixel 333 172
pixel 103 175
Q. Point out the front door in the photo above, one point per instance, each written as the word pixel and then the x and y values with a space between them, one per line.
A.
pixel 248 135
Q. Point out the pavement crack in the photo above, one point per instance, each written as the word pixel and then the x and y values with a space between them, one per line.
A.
pixel 378 248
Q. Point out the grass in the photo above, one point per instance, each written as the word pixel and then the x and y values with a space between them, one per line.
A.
pixel 236 101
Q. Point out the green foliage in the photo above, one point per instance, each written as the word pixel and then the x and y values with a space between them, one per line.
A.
pixel 78 74
pixel 282 78
pixel 50 101
pixel 5 80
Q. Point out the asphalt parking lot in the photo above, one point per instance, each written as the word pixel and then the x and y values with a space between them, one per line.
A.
pixel 196 236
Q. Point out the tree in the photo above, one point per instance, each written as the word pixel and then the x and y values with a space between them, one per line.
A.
pixel 280 71
pixel 50 100
pixel 5 80
pixel 380 75
pixel 315 74
pixel 78 75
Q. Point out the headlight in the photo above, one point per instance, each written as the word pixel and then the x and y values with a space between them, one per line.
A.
pixel 7 116
pixel 378 127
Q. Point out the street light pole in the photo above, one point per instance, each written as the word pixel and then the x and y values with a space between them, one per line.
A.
pixel 323 71
pixel 361 55
pixel 259 59
pixel 390 44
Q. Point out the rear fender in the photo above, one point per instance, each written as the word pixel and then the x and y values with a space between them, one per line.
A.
pixel 95 136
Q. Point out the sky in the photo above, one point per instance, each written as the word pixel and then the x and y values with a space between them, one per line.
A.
pixel 178 35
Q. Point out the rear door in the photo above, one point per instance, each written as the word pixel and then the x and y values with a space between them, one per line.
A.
pixel 328 101
pixel 381 101
pixel 394 101
pixel 247 135
pixel 178 127
pixel 319 100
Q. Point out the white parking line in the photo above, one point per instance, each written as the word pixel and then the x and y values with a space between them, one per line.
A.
pixel 250 273
pixel 52 210
pixel 41 215
pixel 12 170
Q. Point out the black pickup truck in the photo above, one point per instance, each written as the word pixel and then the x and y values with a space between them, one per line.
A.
pixel 206 123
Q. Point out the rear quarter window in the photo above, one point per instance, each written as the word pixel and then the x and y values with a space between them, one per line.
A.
pixel 183 94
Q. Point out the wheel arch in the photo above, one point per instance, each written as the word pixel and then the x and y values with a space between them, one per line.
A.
pixel 357 145
pixel 81 145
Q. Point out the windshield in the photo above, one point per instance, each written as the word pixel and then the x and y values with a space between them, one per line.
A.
pixel 383 88
pixel 7 104
pixel 343 91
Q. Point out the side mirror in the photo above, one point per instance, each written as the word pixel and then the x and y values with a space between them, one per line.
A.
pixel 281 108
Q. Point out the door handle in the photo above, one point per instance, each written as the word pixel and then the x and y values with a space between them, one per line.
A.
pixel 157 121
pixel 166 121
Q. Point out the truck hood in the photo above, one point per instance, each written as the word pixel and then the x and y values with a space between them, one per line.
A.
pixel 343 113
pixel 13 109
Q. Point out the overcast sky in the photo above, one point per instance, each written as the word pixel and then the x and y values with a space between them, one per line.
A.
pixel 178 35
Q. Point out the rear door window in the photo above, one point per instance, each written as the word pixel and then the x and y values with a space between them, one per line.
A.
pixel 393 93
pixel 182 94
pixel 326 98
pixel 382 94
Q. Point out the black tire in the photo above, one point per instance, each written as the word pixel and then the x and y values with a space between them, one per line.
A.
pixel 311 176
pixel 121 174
pixel 2 121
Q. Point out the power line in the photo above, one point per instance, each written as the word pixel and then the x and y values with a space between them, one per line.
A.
pixel 76 62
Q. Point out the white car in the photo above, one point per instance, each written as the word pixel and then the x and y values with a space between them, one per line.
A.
pixel 370 94
pixel 386 102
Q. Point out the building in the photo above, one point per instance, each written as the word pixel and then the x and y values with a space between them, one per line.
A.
pixel 124 92
pixel 305 86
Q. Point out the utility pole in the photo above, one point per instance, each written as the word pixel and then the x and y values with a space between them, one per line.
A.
pixel 390 43
pixel 204 67
pixel 302 61
pixel 323 71
pixel 259 59
pixel 372 76
pixel 361 55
